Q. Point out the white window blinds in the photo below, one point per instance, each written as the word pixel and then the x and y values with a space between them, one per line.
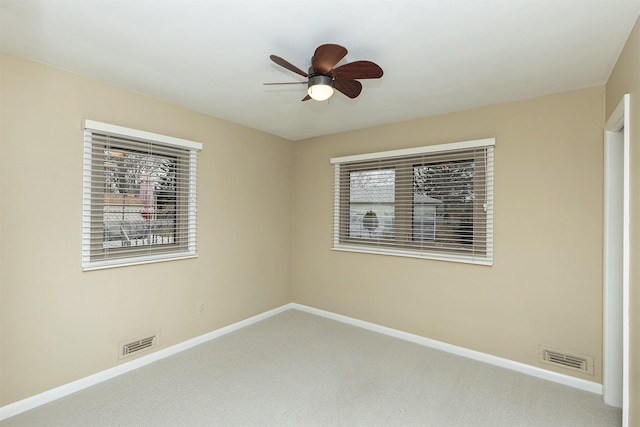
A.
pixel 139 197
pixel 430 202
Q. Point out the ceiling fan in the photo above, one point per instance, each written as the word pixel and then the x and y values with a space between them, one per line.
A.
pixel 323 78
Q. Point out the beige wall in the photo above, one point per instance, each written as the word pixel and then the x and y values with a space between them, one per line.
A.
pixel 625 78
pixel 545 286
pixel 60 324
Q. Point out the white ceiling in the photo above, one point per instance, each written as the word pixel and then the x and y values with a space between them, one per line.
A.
pixel 438 56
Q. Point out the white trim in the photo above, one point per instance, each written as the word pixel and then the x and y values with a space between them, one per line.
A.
pixel 91 380
pixel 487 142
pixel 617 119
pixel 620 120
pixel 141 134
pixel 59 392
pixel 149 259
pixel 467 259
pixel 612 270
pixel 544 374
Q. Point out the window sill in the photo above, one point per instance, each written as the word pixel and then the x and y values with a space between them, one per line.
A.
pixel 466 259
pixel 113 263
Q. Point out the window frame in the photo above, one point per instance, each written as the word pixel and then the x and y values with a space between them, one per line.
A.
pixel 404 209
pixel 184 151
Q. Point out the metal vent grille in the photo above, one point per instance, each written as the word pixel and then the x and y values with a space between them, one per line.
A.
pixel 575 362
pixel 128 348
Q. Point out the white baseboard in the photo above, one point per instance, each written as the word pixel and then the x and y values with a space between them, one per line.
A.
pixel 555 377
pixel 72 387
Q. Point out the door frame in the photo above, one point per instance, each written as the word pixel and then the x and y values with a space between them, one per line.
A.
pixel 616 267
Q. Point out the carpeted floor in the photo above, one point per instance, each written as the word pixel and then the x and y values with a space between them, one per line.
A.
pixel 298 369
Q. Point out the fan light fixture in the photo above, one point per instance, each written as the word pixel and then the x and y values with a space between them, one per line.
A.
pixel 323 78
pixel 320 87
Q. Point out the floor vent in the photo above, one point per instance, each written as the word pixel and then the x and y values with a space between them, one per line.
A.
pixel 562 359
pixel 129 348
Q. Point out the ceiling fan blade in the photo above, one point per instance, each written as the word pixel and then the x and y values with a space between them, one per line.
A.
pixel 326 56
pixel 306 98
pixel 351 88
pixel 358 70
pixel 288 65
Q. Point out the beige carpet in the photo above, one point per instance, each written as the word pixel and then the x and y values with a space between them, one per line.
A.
pixel 298 369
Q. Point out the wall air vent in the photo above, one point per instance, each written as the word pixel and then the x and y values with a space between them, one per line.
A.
pixel 562 359
pixel 134 346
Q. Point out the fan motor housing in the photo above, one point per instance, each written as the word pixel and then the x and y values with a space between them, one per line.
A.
pixel 320 79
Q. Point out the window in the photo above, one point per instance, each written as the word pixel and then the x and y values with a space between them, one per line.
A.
pixel 429 202
pixel 139 197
